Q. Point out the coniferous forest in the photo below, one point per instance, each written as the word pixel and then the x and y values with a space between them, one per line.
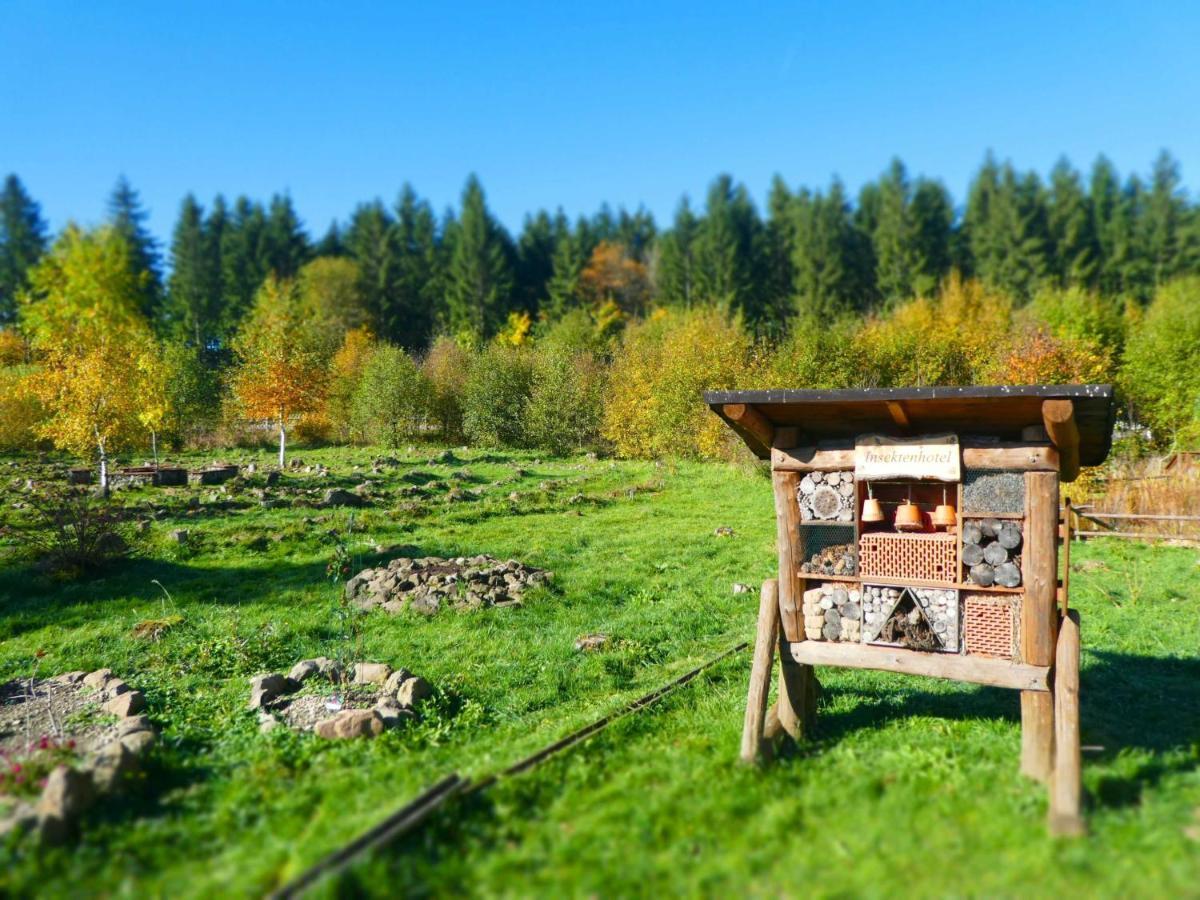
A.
pixel 1083 256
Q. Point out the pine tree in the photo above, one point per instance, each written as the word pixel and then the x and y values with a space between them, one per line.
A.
pixel 1076 254
pixel 535 262
pixel 283 248
pixel 829 255
pixel 242 271
pixel 22 243
pixel 480 278
pixel 894 237
pixel 933 235
pixel 191 306
pixel 566 265
pixel 421 278
pixel 128 218
pixel 371 242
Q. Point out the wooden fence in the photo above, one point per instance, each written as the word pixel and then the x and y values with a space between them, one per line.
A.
pixel 1101 524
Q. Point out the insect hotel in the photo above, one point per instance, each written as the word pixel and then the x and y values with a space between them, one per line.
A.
pixel 918 532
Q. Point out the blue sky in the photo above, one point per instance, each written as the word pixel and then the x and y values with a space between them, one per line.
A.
pixel 563 104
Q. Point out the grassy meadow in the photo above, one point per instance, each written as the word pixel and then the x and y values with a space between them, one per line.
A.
pixel 909 786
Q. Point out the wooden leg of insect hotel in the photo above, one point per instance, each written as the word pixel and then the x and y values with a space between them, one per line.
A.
pixel 1039 616
pixel 765 642
pixel 1065 784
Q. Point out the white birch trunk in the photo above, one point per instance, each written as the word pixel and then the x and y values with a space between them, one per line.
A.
pixel 282 442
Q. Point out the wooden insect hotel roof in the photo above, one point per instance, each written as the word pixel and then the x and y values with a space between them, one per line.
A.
pixel 1000 412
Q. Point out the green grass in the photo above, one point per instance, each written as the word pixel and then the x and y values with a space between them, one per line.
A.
pixel 909 786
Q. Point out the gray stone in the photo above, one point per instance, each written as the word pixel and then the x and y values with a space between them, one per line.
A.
pixel 125 704
pixel 114 687
pixel 20 819
pixel 397 678
pixel 302 670
pixel 111 765
pixel 339 497
pixel 391 712
pixel 739 588
pixel 70 677
pixel 180 535
pixel 267 722
pixel 272 682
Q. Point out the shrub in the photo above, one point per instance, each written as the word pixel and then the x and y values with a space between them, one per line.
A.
pixel 495 397
pixel 74 532
pixel 20 411
pixel 1033 356
pixel 345 373
pixel 655 404
pixel 390 402
pixel 1161 375
pixel 446 368
pixel 566 401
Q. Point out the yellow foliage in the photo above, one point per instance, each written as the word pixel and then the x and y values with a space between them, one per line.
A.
pixel 20 410
pixel 345 372
pixel 12 347
pixel 655 404
pixel 516 331
pixel 1034 356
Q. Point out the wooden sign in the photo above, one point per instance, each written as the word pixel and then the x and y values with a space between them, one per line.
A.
pixel 935 457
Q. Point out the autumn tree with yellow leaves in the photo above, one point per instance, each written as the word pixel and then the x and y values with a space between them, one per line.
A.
pixel 279 375
pixel 97 373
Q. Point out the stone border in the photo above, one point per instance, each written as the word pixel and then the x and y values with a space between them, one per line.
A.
pixel 71 792
pixel 400 692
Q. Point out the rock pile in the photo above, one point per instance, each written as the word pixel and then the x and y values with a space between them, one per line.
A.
pixel 109 751
pixel 371 698
pixel 426 584
pixel 832 613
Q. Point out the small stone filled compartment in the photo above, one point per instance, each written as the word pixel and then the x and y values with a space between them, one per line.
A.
pixel 991 552
pixel 911 617
pixel 833 612
pixel 826 497
pixel 828 549
pixel 989 491
pixel 991 625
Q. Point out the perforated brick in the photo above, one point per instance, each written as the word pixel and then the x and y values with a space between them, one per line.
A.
pixel 990 625
pixel 917 557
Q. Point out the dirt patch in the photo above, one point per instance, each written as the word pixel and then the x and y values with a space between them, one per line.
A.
pixel 31 710
pixel 302 712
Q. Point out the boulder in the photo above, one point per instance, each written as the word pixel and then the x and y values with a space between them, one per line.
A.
pixel 397 678
pixel 125 704
pixel 351 723
pixel 114 687
pixel 413 691
pixel 138 742
pixel 273 683
pixel 339 497
pixel 371 673
pixel 133 724
pixel 180 535
pixel 68 792
pixel 330 668
pixel 302 670
pixel 110 767
pixel 70 677
pixel 96 679
pixel 391 712
pixel 19 819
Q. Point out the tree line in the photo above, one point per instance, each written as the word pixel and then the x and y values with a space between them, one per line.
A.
pixel 414 274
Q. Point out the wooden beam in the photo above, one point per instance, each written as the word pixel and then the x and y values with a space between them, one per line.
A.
pixel 1039 618
pixel 1065 784
pixel 751 425
pixel 973 669
pixel 760 671
pixel 899 415
pixel 787 539
pixel 1058 417
pixel 1012 457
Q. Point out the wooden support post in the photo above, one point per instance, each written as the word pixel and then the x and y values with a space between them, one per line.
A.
pixel 765 641
pixel 787 536
pixel 1065 784
pixel 1039 619
pixel 1058 417
pixel 797 705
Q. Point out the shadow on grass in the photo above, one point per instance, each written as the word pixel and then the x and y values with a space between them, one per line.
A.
pixel 1128 702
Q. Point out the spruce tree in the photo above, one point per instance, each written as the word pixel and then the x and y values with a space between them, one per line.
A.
pixel 636 232
pixel 480 277
pixel 1104 198
pixel 562 290
pixel 22 243
pixel 535 262
pixel 191 307
pixel 371 242
pixel 1163 217
pixel 421 277
pixel 779 235
pixel 283 247
pixel 242 270
pixel 727 249
pixel 128 218
pixel 1076 253
pixel 331 244
pixel 933 235
pixel 829 256
pixel 894 237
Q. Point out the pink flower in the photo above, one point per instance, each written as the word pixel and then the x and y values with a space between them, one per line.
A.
pixel 44 743
pixel 71 744
pixel 15 768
